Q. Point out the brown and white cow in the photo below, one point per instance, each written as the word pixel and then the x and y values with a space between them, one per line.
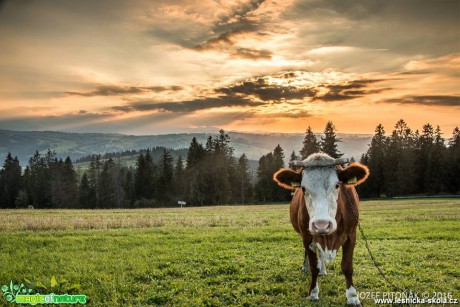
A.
pixel 321 213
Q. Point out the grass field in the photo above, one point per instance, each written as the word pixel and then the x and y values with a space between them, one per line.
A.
pixel 229 255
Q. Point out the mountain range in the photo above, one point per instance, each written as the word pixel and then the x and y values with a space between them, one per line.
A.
pixel 23 144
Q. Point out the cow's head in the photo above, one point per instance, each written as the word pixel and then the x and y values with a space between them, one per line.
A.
pixel 320 179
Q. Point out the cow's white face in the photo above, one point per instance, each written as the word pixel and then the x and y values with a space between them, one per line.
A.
pixel 321 190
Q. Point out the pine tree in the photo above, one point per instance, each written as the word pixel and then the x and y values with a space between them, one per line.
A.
pixel 112 194
pixel 106 193
pixel 244 180
pixel 435 169
pixel 406 167
pixel 165 177
pixel 375 160
pixel 264 190
pixel 425 144
pixel 63 184
pixel 94 173
pixel 145 179
pixel 129 187
pixel 279 194
pixel 179 179
pixel 453 162
pixel 278 157
pixel 10 181
pixel 87 195
pixel 330 140
pixel 70 184
pixel 310 144
pixel 37 180
pixel 22 200
pixel 195 154
pixel 390 171
pixel 221 179
pixel 293 157
pixel 195 186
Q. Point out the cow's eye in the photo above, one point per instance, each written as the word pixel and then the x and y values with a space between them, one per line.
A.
pixel 337 186
pixel 303 190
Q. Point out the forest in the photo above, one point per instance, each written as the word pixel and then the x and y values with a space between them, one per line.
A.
pixel 406 162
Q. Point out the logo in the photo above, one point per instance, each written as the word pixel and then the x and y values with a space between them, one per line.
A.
pixel 21 294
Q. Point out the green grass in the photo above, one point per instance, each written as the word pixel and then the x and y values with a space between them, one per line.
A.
pixel 230 255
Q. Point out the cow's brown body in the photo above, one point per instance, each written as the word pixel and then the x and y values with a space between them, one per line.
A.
pixel 324 211
pixel 344 236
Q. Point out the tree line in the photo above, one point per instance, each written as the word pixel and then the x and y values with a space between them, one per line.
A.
pixel 155 152
pixel 411 162
pixel 404 163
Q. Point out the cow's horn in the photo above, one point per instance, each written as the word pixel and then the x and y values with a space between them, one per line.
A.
pixel 296 163
pixel 341 161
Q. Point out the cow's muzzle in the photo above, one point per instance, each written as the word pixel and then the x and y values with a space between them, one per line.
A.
pixel 321 227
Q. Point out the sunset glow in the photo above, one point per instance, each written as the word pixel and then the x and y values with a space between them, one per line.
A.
pixel 150 67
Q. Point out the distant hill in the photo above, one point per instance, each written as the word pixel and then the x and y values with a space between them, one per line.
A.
pixel 76 145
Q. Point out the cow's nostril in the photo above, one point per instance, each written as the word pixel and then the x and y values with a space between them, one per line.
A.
pixel 322 226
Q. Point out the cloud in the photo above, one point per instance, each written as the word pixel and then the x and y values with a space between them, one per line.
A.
pixel 411 26
pixel 240 23
pixel 190 105
pixel 435 100
pixel 251 54
pixel 262 89
pixel 116 90
pixel 269 90
pixel 293 113
pixel 350 90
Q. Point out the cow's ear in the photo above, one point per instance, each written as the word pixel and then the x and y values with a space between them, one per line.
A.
pixel 354 174
pixel 287 178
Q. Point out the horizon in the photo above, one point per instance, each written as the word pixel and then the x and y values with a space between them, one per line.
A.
pixel 259 66
pixel 191 132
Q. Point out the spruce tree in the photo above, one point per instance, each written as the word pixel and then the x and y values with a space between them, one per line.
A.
pixel 435 168
pixel 87 195
pixel 245 187
pixel 453 162
pixel 94 172
pixel 145 178
pixel 279 194
pixel 330 140
pixel 195 154
pixel 310 144
pixel 264 188
pixel 37 179
pixel 195 172
pixel 10 182
pixel 165 176
pixel 129 187
pixel 425 144
pixel 293 157
pixel 406 166
pixel 375 160
pixel 179 179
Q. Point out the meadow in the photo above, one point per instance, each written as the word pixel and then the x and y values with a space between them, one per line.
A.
pixel 218 256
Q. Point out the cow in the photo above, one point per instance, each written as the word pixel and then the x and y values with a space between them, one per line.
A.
pixel 324 211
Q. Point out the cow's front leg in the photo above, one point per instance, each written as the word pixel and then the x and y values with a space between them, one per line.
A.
pixel 313 292
pixel 308 245
pixel 321 265
pixel 347 270
pixel 305 265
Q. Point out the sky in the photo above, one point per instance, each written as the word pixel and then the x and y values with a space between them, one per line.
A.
pixel 156 67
